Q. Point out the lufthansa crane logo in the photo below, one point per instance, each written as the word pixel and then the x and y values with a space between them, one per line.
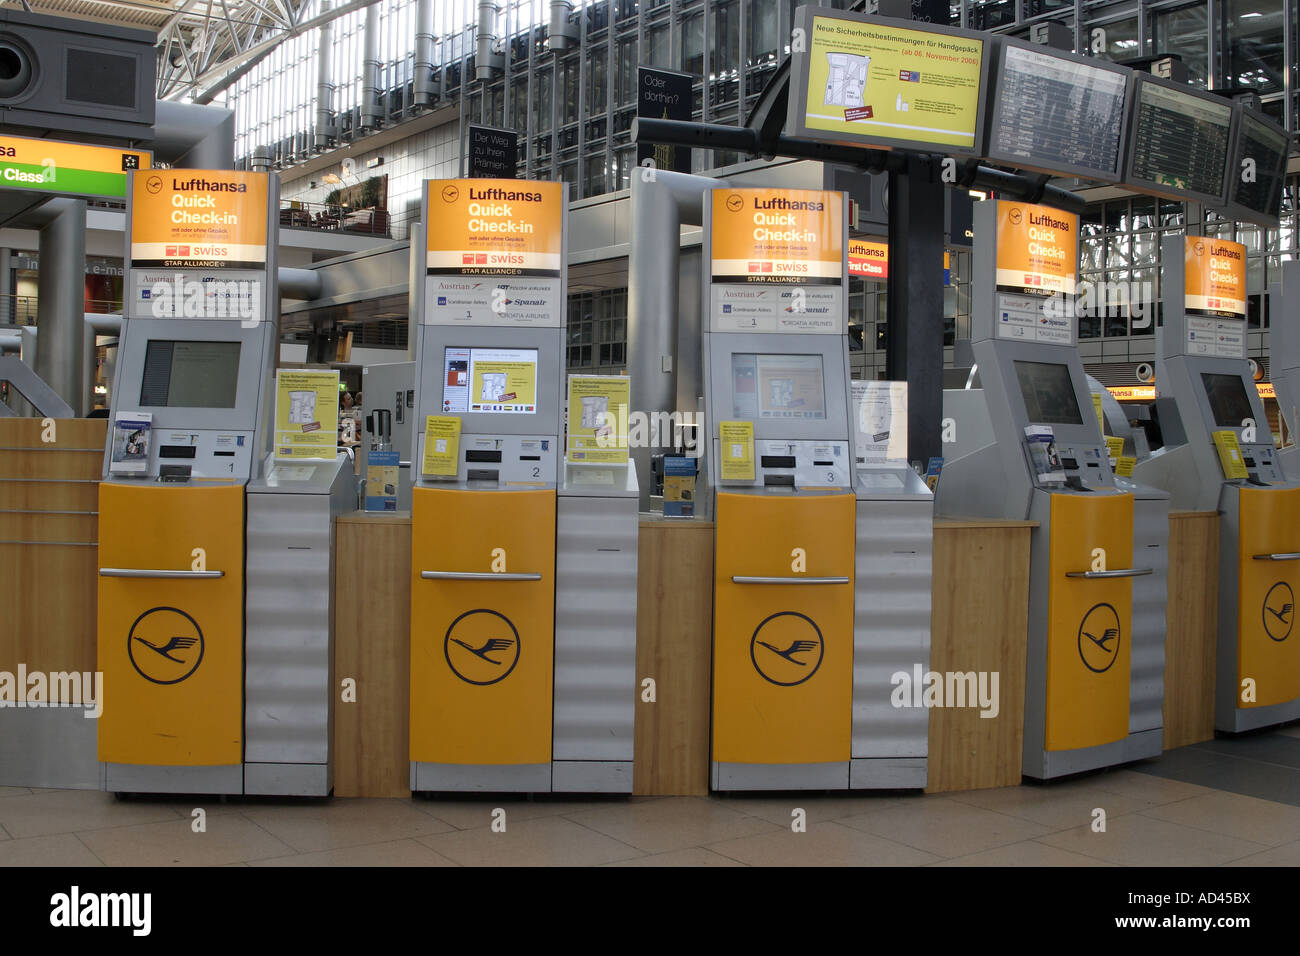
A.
pixel 735 203
pixel 154 185
pixel 787 648
pixel 1099 638
pixel 1015 215
pixel 1279 611
pixel 450 193
pixel 165 645
pixel 481 647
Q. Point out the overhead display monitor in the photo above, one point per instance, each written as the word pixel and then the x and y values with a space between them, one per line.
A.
pixel 189 374
pixel 1179 141
pixel 489 381
pixel 1055 112
pixel 1229 403
pixel 1258 169
pixel 772 387
pixel 1048 393
pixel 889 84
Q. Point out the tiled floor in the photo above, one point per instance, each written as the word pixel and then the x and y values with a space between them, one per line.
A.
pixel 1224 802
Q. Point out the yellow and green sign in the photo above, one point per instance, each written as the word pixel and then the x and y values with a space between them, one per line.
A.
pixel 70 169
pixel 306 414
pixel 598 407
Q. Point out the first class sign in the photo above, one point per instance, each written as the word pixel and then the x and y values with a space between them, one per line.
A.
pixel 68 169
pixel 495 227
pixel 778 235
pixel 210 219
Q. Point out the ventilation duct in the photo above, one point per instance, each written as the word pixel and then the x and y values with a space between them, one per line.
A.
pixel 424 89
pixel 487 61
pixel 563 33
pixel 325 130
pixel 371 116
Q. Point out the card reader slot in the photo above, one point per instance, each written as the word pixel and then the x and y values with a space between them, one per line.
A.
pixel 223 454
pixel 530 457
pixel 777 461
pixel 823 464
pixel 483 474
pixel 481 456
pixel 778 481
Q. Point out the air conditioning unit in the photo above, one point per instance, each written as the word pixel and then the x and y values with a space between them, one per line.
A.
pixel 76 78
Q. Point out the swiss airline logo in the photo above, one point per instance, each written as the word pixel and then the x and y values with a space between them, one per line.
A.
pixel 467 259
pixel 753 267
pixel 767 267
pixel 183 251
pixel 480 258
pixel 171 250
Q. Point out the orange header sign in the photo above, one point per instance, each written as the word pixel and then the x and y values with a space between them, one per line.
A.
pixel 870 260
pixel 209 219
pixel 507 227
pixel 1038 248
pixel 778 235
pixel 1214 276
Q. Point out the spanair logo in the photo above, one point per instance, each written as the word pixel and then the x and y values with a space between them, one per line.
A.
pixel 787 648
pixel 482 647
pixel 1099 638
pixel 165 645
pixel 1279 611
pixel 450 194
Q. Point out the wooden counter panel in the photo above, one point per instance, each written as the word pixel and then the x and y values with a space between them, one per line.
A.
pixel 674 646
pixel 372 756
pixel 980 620
pixel 1191 628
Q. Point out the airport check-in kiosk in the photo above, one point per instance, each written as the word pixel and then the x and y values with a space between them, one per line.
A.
pixel 1284 360
pixel 822 570
pixel 1219 455
pixel 1094 541
pixel 523 575
pixel 215 624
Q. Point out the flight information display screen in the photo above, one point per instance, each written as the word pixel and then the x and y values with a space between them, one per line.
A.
pixel 769 387
pixel 1048 393
pixel 187 374
pixel 1266 146
pixel 1056 112
pixel 1229 403
pixel 1179 142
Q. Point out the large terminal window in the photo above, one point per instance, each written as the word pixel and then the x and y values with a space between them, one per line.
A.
pixel 181 374
pixel 1049 393
pixel 491 381
pixel 1229 403
pixel 771 387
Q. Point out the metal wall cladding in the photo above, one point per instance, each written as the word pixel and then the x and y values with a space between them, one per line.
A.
pixel 891 624
pixel 595 628
pixel 1150 600
pixel 288 652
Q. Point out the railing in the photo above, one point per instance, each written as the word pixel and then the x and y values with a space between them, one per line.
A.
pixel 24 310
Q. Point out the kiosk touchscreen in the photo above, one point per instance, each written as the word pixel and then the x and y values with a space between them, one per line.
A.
pixel 1219 455
pixel 523 575
pixel 215 549
pixel 822 567
pixel 1098 556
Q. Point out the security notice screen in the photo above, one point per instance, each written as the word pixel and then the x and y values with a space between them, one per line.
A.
pixel 777 387
pixel 871 81
pixel 493 381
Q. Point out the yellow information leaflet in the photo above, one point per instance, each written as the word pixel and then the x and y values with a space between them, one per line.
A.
pixel 1114 446
pixel 441 445
pixel 892 85
pixel 73 169
pixel 1101 417
pixel 1124 465
pixel 737 458
pixel 1229 454
pixel 598 416
pixel 306 414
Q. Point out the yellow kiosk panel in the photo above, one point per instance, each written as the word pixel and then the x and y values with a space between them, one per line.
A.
pixel 1089 632
pixel 482 650
pixel 172 648
pixel 783 652
pixel 1268 650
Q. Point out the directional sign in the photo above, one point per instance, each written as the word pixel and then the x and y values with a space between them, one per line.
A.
pixel 68 169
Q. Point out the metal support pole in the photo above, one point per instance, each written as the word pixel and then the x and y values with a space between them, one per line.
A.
pixel 660 207
pixel 61 299
pixel 914 351
pixel 6 287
